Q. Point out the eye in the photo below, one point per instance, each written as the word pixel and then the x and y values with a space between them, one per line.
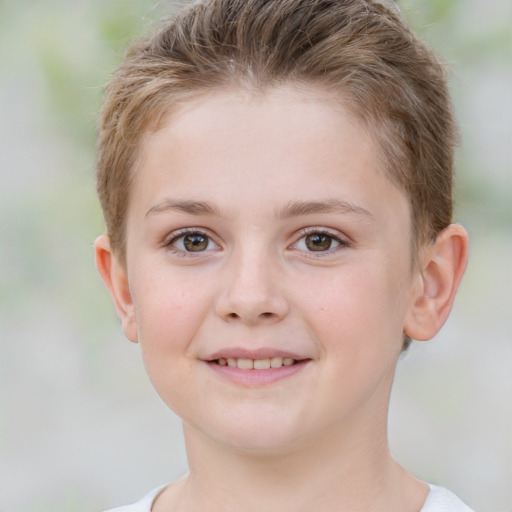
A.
pixel 191 241
pixel 319 242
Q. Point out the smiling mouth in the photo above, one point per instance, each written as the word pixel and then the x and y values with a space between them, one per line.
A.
pixel 255 364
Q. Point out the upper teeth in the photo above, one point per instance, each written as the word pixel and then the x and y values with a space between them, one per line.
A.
pixel 256 364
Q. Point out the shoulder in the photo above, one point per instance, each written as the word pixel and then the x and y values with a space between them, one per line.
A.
pixel 442 500
pixel 144 505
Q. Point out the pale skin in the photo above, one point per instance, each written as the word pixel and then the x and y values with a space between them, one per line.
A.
pixel 266 222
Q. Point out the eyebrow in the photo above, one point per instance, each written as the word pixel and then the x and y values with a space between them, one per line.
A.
pixel 190 207
pixel 298 208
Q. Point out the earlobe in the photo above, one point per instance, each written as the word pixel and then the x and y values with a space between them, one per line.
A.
pixel 442 267
pixel 115 277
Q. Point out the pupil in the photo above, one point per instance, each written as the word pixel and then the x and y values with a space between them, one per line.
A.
pixel 318 242
pixel 195 242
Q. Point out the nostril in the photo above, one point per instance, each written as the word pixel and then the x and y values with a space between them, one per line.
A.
pixel 266 315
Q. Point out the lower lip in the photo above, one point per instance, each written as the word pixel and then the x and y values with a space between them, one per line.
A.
pixel 257 377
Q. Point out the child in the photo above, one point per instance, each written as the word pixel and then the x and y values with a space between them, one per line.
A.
pixel 276 181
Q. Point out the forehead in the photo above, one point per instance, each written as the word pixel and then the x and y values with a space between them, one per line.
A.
pixel 290 109
pixel 284 144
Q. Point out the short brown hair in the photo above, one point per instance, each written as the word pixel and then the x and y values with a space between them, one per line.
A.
pixel 360 49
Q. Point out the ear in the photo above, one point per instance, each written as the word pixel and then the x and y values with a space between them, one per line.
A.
pixel 442 267
pixel 115 277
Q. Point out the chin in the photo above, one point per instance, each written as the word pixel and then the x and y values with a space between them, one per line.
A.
pixel 257 434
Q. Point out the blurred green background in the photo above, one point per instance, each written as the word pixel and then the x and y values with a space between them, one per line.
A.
pixel 80 426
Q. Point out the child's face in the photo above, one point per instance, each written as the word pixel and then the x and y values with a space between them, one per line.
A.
pixel 260 227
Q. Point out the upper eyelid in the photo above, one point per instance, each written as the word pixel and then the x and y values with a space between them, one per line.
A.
pixel 177 233
pixel 335 234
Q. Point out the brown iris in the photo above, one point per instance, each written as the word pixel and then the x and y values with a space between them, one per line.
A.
pixel 318 242
pixel 195 242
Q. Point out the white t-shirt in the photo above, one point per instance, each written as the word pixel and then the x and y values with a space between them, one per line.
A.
pixel 438 500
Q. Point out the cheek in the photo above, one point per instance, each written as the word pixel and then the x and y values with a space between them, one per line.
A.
pixel 169 310
pixel 358 306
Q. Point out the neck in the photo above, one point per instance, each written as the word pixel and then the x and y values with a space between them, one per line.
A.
pixel 341 471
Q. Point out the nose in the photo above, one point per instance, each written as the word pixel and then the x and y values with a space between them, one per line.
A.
pixel 253 292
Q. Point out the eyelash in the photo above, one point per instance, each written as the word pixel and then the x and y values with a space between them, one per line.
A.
pixel 170 242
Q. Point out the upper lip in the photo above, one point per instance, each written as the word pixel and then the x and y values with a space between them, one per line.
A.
pixel 256 353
